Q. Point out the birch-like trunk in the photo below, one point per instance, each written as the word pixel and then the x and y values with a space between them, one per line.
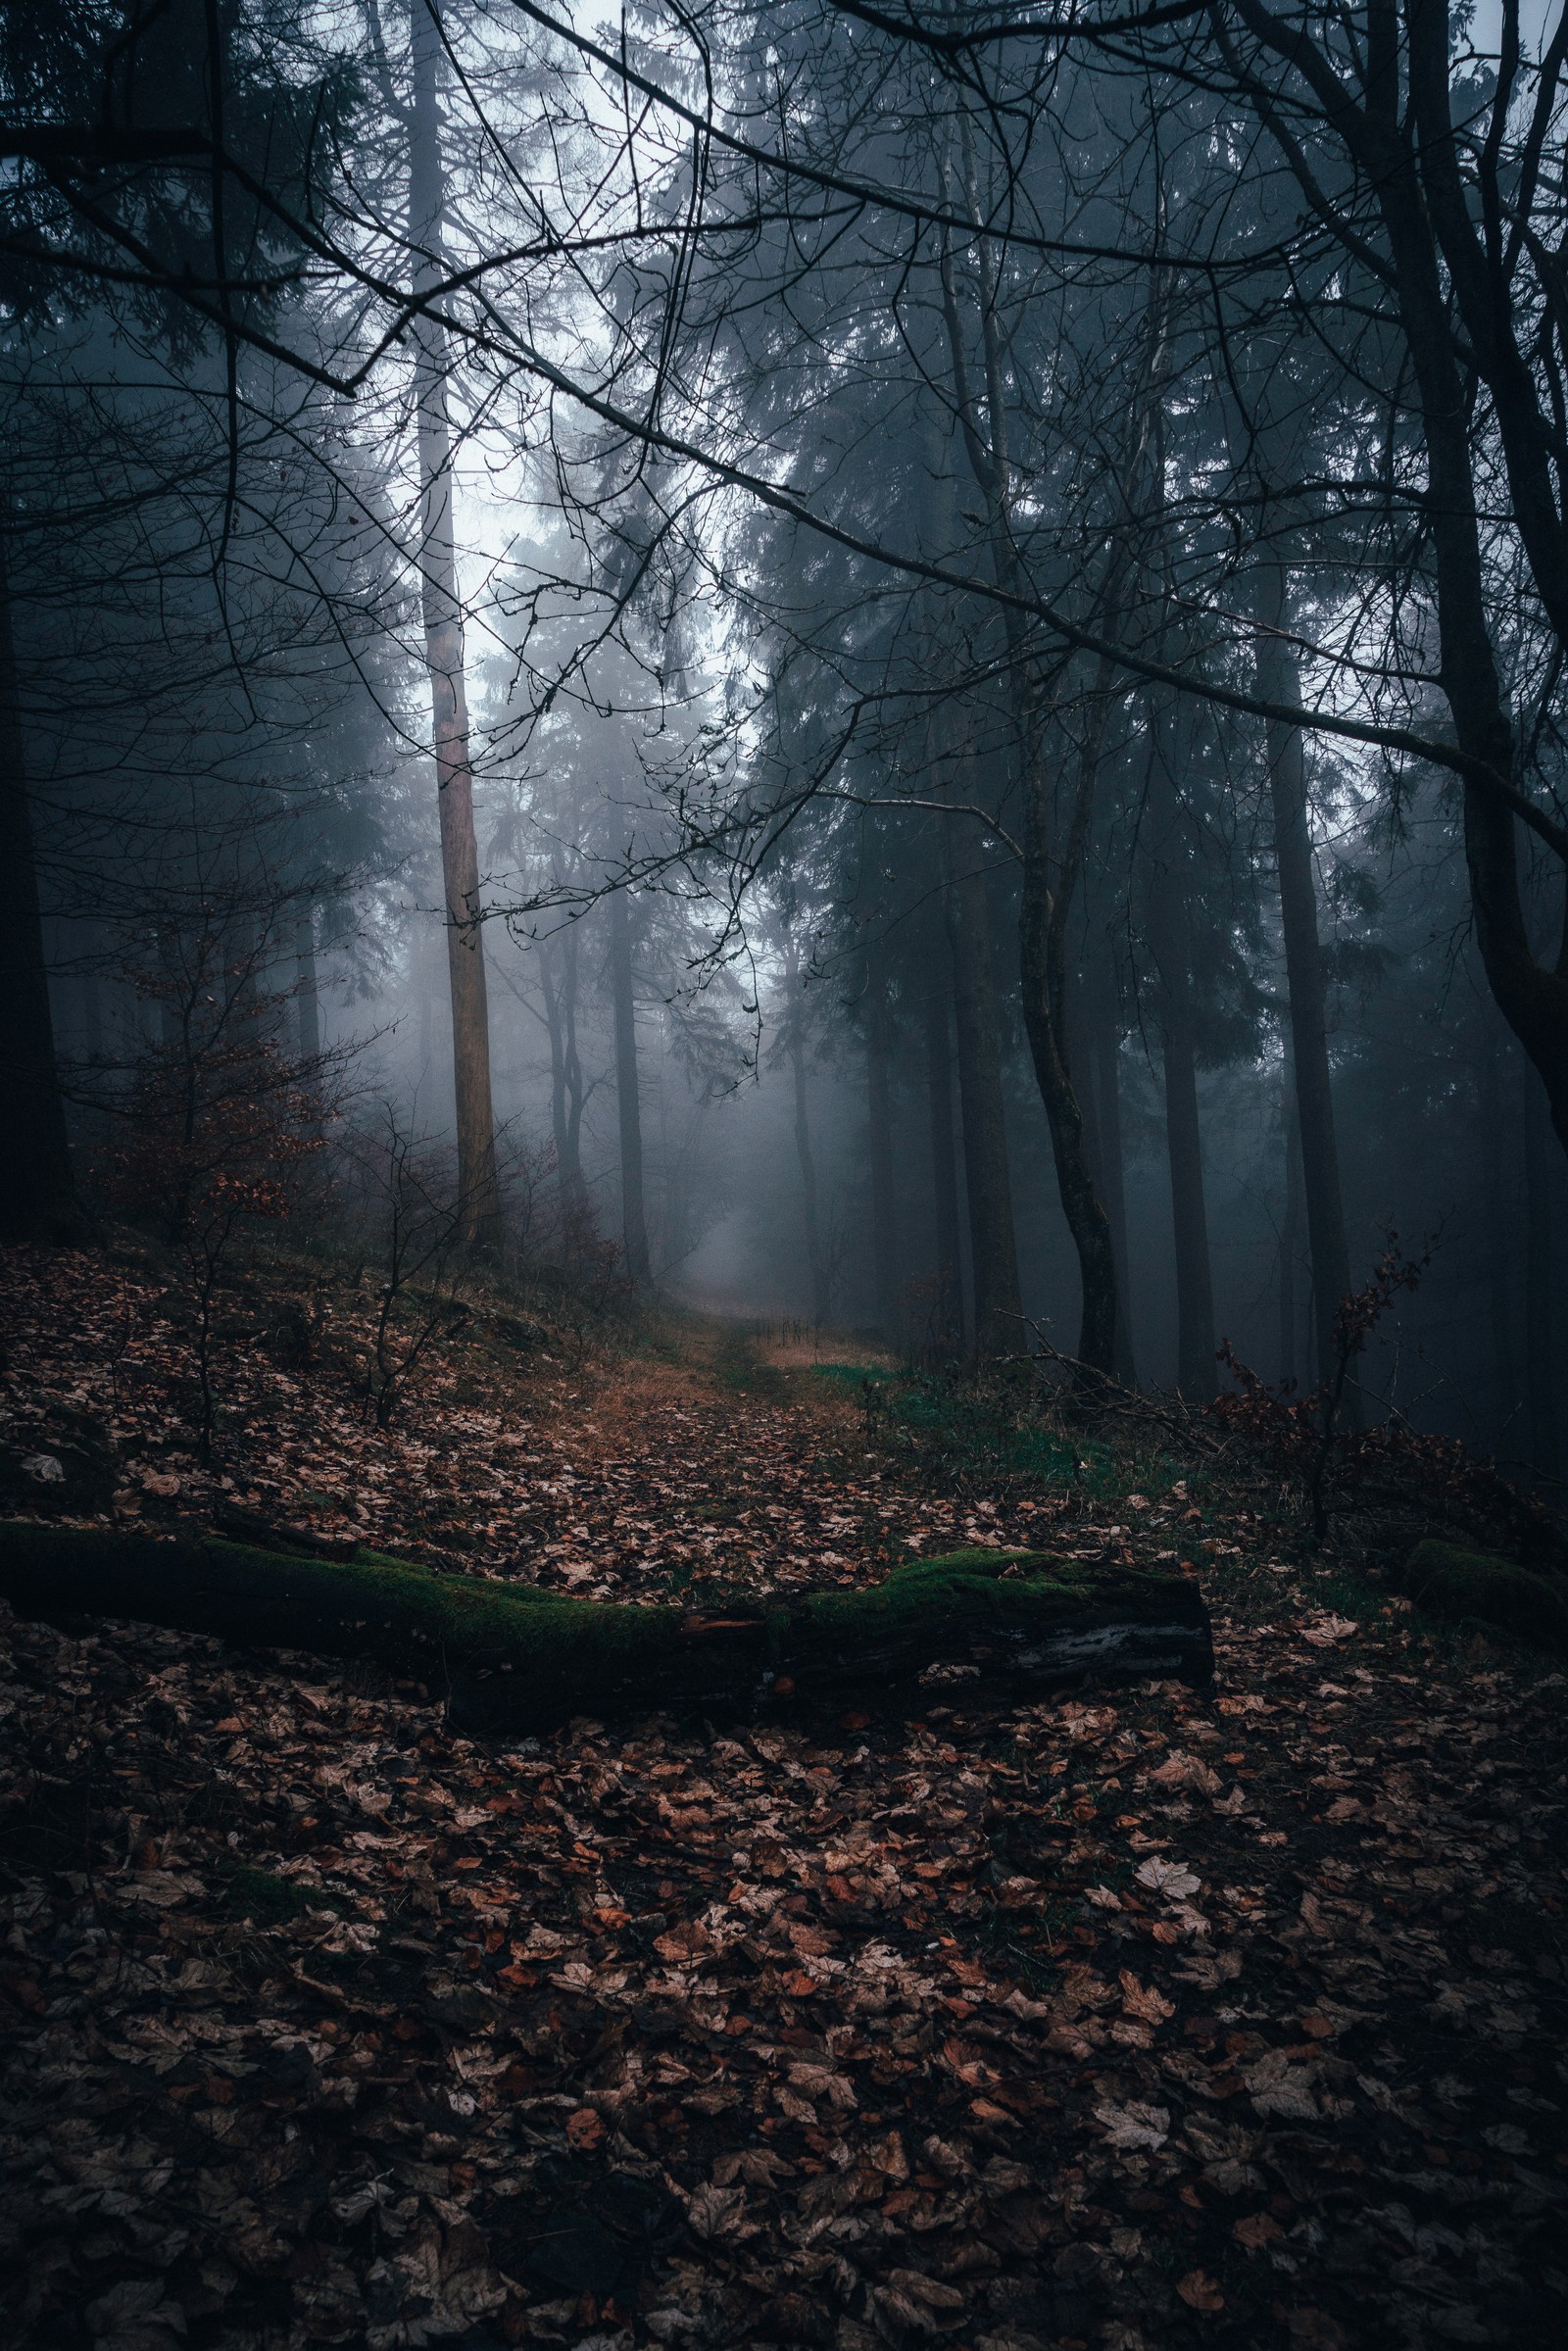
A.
pixel 1279 681
pixel 477 1186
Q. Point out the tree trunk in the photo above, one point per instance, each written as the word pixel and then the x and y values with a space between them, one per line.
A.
pixel 1113 1178
pixel 948 1306
pixel 1097 1052
pixel 1291 1234
pixel 477 1184
pixel 566 1069
pixel 1279 680
pixel 1050 868
pixel 883 1195
pixel 795 1033
pixel 634 1224
pixel 1541 1332
pixel 306 998
pixel 308 1013
pixel 993 1248
pixel 1042 973
pixel 1167 925
pixel 37 1196
pixel 1494 1209
pixel 528 1660
pixel 1533 1000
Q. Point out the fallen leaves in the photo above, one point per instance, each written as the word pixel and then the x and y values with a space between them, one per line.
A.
pixel 1172 1878
pixel 1133 2127
pixel 327 2025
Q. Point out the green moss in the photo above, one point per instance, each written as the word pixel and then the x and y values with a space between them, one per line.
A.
pixel 977 1590
pixel 268 1901
pixel 522 1655
pixel 1474 1587
pixel 557 1652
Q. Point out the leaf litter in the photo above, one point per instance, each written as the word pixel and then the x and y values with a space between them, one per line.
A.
pixel 1130 2020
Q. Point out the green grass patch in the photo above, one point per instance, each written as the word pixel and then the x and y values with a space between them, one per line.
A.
pixel 1000 1430
pixel 270 1901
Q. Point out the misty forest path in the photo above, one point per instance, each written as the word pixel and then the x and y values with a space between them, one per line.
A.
pixel 729 1466
pixel 1130 2020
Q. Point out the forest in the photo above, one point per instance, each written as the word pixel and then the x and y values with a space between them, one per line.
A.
pixel 783 1218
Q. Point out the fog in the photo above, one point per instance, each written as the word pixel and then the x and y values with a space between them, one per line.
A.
pixel 838 669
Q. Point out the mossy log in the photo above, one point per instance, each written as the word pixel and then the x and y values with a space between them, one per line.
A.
pixel 1477 1587
pixel 516 1658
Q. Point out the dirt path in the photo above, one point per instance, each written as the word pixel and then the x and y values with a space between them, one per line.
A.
pixel 1127 2020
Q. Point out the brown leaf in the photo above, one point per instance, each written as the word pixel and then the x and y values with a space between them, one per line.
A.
pixel 683 1943
pixel 1199 2291
pixel 1143 2001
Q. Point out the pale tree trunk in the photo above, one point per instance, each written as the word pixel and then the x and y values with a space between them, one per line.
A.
pixel 879 1109
pixel 810 1216
pixel 999 1327
pixel 1168 928
pixel 477 1184
pixel 948 1317
pixel 1279 680
pixel 634 1221
pixel 37 1196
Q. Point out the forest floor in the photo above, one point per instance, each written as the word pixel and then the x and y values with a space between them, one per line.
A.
pixel 1135 2017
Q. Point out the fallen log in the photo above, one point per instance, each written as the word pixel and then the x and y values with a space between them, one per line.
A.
pixel 1477 1589
pixel 513 1658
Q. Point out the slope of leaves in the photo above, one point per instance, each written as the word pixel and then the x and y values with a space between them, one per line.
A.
pixel 1124 2020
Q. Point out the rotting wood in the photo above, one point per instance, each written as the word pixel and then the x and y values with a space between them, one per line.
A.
pixel 517 1658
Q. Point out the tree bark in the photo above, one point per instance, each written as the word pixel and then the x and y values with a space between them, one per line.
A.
pixel 884 1193
pixel 1495 1204
pixel 307 1011
pixel 1279 681
pixel 1104 1061
pixel 1533 1000
pixel 565 1068
pixel 1050 868
pixel 1541 1322
pixel 948 1312
pixel 307 1000
pixel 38 1194
pixel 1043 1621
pixel 1291 1237
pixel 1043 969
pixel 810 1216
pixel 634 1223
pixel 477 1184
pixel 1445 254
pixel 993 1248
pixel 1168 923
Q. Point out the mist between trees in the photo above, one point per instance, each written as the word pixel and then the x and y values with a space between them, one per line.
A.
pixel 900 667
